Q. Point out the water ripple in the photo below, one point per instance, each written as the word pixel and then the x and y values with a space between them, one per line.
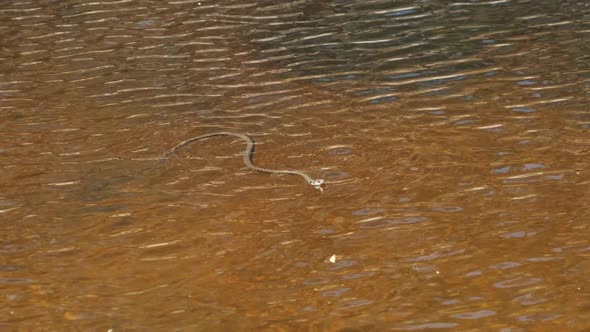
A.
pixel 452 135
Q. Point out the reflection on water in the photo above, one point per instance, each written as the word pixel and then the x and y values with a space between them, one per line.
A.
pixel 453 137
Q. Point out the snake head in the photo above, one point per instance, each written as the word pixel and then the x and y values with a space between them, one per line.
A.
pixel 317 184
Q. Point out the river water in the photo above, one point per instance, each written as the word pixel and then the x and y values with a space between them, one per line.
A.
pixel 453 137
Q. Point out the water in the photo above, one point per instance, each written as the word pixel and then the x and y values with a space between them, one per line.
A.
pixel 453 137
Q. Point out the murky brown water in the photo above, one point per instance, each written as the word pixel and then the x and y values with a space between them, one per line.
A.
pixel 454 138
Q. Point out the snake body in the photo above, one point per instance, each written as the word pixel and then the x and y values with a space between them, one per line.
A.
pixel 247 157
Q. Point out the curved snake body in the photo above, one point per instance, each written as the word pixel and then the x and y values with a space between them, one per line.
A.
pixel 247 157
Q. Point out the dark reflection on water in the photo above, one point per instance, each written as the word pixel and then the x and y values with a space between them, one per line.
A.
pixel 452 136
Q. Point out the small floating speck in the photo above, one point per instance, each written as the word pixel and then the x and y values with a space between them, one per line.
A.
pixel 332 259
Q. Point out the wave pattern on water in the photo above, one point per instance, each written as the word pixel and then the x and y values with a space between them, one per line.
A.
pixel 452 135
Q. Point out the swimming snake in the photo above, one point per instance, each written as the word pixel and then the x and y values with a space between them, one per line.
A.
pixel 247 157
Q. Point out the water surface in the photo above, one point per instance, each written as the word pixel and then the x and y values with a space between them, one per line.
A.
pixel 453 136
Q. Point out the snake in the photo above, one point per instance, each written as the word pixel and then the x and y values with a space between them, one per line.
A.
pixel 247 157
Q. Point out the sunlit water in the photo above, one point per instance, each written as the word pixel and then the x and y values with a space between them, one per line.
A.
pixel 453 136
